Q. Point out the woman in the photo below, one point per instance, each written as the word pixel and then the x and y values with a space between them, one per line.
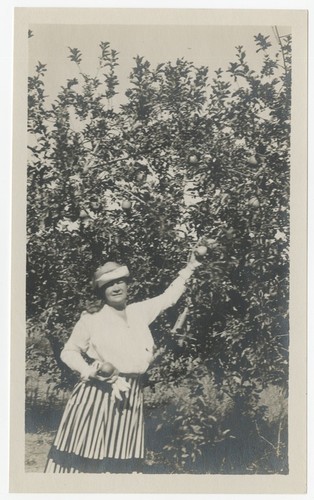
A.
pixel 102 427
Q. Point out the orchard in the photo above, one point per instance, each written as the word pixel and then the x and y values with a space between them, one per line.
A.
pixel 186 162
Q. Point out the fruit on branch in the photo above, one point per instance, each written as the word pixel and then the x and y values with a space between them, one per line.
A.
pixel 126 204
pixel 252 160
pixel 83 214
pixel 140 176
pixel 200 251
pixel 254 202
pixel 193 160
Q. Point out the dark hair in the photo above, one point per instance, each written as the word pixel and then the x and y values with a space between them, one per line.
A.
pixel 94 305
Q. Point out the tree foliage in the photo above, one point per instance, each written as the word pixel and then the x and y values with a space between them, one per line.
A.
pixel 197 161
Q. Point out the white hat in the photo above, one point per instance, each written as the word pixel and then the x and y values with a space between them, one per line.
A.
pixel 109 272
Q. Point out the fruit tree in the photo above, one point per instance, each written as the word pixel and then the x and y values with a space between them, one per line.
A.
pixel 183 162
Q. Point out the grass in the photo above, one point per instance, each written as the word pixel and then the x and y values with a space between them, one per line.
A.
pixel 37 446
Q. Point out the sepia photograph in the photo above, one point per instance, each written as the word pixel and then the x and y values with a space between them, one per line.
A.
pixel 158 196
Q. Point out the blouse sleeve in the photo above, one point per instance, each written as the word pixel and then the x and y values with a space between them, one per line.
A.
pixel 151 308
pixel 77 344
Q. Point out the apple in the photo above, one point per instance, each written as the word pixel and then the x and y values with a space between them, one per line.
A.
pixel 200 251
pixel 252 160
pixel 193 159
pixel 126 204
pixel 107 368
pixel 140 176
pixel 83 214
pixel 254 202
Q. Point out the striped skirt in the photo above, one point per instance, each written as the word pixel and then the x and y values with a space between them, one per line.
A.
pixel 99 433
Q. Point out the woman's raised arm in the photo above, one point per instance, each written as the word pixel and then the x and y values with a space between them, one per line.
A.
pixel 151 308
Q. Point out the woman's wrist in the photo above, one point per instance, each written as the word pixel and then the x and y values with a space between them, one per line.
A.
pixel 186 272
pixel 89 372
pixel 193 265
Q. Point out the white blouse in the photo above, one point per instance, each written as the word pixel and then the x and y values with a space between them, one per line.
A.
pixel 126 344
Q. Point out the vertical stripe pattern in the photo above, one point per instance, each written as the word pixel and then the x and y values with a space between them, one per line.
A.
pixel 96 429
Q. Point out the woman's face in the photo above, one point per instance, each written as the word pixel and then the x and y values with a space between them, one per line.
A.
pixel 116 293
